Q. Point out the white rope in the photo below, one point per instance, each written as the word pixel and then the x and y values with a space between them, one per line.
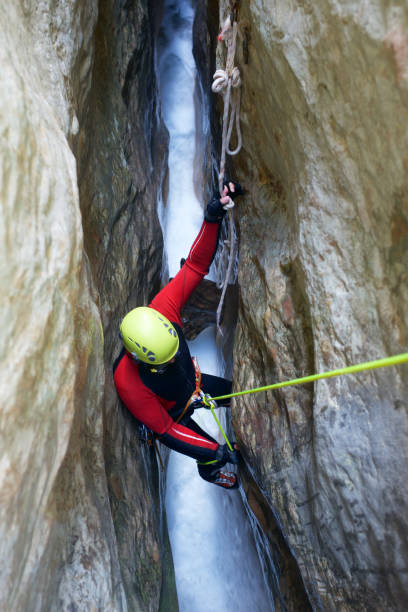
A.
pixel 225 81
pixel 221 82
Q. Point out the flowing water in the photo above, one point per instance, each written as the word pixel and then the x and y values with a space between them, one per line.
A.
pixel 215 556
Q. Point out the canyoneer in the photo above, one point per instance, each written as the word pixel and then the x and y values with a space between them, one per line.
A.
pixel 155 375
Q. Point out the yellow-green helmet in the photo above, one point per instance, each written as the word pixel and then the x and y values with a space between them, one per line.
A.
pixel 149 336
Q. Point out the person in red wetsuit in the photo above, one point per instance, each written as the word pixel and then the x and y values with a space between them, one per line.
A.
pixel 155 376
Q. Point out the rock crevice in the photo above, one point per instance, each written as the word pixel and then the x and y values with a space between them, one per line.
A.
pixel 322 284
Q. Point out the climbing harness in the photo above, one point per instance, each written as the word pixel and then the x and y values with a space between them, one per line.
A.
pixel 226 82
pixel 196 395
pixel 204 399
pixel 360 367
pixel 146 435
pixel 199 398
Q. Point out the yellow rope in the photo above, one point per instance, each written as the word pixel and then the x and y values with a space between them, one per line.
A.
pixel 212 404
pixel 208 401
pixel 361 367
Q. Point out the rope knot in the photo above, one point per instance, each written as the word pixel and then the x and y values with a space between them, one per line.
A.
pixel 221 77
pixel 220 81
pixel 235 77
pixel 227 82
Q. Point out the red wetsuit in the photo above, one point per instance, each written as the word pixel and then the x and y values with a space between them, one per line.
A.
pixel 157 399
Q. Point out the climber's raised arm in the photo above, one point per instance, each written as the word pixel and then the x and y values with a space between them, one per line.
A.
pixel 170 300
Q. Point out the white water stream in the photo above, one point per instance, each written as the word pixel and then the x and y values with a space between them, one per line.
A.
pixel 215 558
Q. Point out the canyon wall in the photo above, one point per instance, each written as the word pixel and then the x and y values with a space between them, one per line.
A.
pixel 83 155
pixel 323 284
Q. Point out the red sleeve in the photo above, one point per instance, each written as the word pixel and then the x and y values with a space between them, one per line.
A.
pixel 146 407
pixel 170 300
pixel 139 399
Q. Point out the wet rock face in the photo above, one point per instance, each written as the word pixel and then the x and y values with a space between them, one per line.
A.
pixel 323 284
pixel 83 153
pixel 201 309
pixel 122 153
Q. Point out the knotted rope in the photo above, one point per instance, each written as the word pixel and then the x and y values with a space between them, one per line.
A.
pixel 224 82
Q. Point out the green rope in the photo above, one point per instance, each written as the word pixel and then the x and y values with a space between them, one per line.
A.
pixel 219 425
pixel 361 367
pixel 209 402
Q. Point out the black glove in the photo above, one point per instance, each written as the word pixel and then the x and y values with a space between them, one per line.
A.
pixel 214 211
pixel 224 455
pixel 233 194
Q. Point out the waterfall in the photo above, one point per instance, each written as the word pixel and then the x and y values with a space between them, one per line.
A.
pixel 214 552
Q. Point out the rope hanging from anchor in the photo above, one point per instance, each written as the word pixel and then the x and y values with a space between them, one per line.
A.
pixel 228 82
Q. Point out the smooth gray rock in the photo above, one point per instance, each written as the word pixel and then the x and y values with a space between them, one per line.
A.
pixel 323 284
pixel 83 155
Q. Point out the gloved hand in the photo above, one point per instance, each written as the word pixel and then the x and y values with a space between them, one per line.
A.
pixel 232 193
pixel 215 210
pixel 224 455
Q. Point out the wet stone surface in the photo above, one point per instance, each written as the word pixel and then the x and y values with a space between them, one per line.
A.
pixel 323 284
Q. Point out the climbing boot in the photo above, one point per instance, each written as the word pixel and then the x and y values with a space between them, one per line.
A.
pixel 228 480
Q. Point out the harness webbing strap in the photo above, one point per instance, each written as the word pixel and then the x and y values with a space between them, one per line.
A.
pixel 360 367
pixel 197 390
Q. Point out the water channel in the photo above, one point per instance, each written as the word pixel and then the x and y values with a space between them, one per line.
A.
pixel 214 551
